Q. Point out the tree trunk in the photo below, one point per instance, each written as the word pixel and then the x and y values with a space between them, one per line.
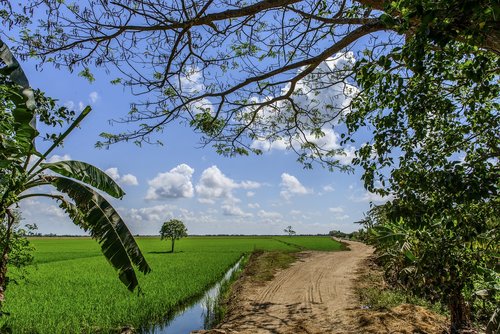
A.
pixel 459 312
pixel 173 241
pixel 3 274
pixel 5 257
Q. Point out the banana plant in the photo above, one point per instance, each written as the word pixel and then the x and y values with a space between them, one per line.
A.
pixel 76 185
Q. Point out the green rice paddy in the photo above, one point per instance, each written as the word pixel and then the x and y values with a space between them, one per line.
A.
pixel 72 289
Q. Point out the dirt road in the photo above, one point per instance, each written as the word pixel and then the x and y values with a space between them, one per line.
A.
pixel 312 296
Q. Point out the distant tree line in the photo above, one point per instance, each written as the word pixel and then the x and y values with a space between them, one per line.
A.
pixel 359 235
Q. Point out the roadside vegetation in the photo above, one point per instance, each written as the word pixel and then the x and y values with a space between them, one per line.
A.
pixel 382 308
pixel 87 298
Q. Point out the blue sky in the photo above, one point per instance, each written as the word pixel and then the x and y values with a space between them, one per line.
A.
pixel 210 193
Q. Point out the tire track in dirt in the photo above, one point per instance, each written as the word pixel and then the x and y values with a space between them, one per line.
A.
pixel 311 296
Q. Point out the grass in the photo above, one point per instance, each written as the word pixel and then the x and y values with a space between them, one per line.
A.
pixel 320 243
pixel 263 265
pixel 72 289
pixel 375 294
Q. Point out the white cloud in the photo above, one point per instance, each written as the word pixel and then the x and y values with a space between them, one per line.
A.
pixel 369 197
pixel 175 183
pixel 93 97
pixel 249 185
pixel 267 145
pixel 192 84
pixel 295 212
pixel 232 210
pixel 113 173
pixel 214 185
pixel 375 198
pixel 337 209
pixel 269 216
pixel 291 186
pixel 52 210
pixel 250 193
pixel 324 95
pixel 35 208
pixel 253 205
pixel 57 158
pixel 328 188
pixel 127 179
pixel 153 214
pixel 329 141
pixel 70 105
pixel 341 217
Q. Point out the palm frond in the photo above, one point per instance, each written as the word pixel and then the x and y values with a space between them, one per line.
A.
pixel 96 215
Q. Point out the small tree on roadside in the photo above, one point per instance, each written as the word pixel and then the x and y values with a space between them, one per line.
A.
pixel 289 230
pixel 173 229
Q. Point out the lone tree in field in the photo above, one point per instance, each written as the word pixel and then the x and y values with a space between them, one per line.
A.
pixel 289 230
pixel 173 229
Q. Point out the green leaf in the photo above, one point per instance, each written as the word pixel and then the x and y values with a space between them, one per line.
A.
pixel 97 216
pixel 88 174
pixel 409 255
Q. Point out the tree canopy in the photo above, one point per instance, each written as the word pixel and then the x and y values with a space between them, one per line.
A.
pixel 249 74
pixel 174 229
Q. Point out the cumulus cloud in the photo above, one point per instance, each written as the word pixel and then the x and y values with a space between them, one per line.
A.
pixel 232 210
pixel 113 173
pixel 214 185
pixel 359 195
pixel 269 216
pixel 57 158
pixel 93 97
pixel 323 95
pixel 328 188
pixel 291 186
pixel 34 208
pixel 153 214
pixel 54 211
pixel 253 205
pixel 373 197
pixel 127 179
pixel 337 209
pixel 329 141
pixel 268 145
pixel 175 183
pixel 70 105
pixel 192 84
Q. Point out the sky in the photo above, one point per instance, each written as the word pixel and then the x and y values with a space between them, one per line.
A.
pixel 210 193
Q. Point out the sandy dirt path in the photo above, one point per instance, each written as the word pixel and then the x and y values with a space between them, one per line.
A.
pixel 312 296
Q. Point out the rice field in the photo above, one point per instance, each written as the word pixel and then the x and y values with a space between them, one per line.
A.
pixel 72 289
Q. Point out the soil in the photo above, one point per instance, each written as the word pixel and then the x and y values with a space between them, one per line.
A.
pixel 316 295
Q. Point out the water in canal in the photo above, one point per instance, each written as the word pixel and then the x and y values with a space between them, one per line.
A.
pixel 197 315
